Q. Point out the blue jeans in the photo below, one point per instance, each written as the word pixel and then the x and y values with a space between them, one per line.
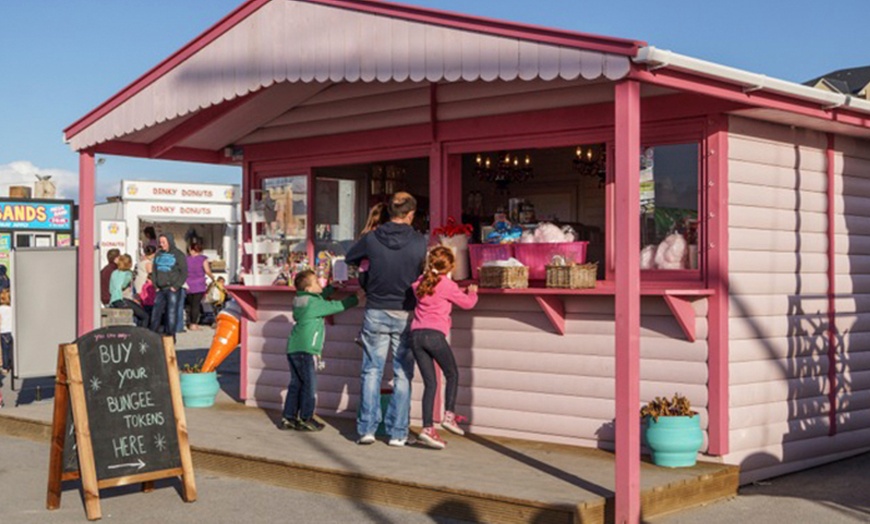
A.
pixel 383 333
pixel 179 323
pixel 302 391
pixel 165 311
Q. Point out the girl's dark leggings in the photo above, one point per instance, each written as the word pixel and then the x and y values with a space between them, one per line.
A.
pixel 431 346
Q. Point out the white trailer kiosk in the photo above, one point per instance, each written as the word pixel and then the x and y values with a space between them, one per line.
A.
pixel 210 211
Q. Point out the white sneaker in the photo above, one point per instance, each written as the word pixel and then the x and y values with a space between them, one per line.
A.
pixel 366 440
pixel 398 442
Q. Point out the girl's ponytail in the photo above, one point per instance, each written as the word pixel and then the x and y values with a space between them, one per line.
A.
pixel 439 262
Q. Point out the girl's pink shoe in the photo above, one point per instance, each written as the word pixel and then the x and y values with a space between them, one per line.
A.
pixel 451 423
pixel 431 438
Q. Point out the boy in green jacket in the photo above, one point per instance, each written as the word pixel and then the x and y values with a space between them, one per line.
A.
pixel 305 346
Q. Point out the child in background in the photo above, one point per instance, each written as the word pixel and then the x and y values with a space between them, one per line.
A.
pixel 6 364
pixel 436 294
pixel 305 347
pixel 121 289
pixel 377 216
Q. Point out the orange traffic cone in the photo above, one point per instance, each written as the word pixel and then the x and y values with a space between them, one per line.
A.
pixel 226 337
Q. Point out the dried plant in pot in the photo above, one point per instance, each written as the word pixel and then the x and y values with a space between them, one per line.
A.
pixel 672 431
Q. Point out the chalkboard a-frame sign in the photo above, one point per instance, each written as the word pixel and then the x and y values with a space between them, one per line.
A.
pixel 118 417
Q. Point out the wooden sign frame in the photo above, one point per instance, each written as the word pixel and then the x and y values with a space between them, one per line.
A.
pixel 69 389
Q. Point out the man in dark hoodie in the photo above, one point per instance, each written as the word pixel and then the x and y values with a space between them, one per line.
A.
pixel 168 273
pixel 396 254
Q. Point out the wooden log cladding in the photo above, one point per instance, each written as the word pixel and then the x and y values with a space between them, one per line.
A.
pixel 758 240
pixel 775 134
pixel 777 412
pixel 778 369
pixel 779 219
pixel 780 432
pixel 780 177
pixel 779 284
pixel 774 348
pixel 852 245
pixel 517 376
pixel 753 195
pixel 773 262
pixel 767 305
pixel 769 462
pixel 778 390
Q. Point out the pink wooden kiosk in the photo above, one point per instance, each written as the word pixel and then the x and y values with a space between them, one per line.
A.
pixel 329 104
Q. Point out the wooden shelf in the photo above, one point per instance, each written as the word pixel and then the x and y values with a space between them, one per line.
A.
pixel 677 296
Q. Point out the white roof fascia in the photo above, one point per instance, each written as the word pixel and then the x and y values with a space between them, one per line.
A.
pixel 660 58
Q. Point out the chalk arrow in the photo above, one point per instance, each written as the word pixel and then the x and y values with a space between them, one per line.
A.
pixel 137 465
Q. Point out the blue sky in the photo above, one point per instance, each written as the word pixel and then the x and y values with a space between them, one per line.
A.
pixel 62 58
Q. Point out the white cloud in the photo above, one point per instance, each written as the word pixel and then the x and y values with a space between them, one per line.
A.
pixel 67 182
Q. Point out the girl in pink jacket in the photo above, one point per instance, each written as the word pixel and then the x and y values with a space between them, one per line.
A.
pixel 436 293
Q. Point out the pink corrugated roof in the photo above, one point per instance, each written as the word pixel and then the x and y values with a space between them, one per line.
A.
pixel 265 42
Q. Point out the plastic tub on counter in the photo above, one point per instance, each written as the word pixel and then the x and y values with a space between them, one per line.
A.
pixel 538 255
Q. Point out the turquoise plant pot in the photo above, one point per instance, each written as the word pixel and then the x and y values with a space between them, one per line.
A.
pixel 198 390
pixel 674 442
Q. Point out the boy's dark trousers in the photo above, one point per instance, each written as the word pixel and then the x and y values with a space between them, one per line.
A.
pixel 6 343
pixel 303 387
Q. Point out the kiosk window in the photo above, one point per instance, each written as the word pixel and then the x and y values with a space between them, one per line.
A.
pixel 669 201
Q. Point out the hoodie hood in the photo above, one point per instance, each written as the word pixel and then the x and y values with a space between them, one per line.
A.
pixel 395 236
pixel 169 238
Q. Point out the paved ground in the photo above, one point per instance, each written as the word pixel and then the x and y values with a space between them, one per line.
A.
pixel 830 494
pixel 834 493
pixel 24 463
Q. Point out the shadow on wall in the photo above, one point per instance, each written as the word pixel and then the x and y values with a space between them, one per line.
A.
pixel 812 351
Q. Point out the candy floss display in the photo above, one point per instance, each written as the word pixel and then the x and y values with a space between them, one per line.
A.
pixel 226 337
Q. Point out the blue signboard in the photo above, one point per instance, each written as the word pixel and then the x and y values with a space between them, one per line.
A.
pixel 39 214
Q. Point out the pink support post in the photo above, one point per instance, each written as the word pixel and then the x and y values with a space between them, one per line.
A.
pixel 437 189
pixel 833 346
pixel 86 270
pixel 627 255
pixel 716 261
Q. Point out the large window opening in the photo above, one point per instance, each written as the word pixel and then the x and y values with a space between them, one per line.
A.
pixel 524 189
pixel 345 194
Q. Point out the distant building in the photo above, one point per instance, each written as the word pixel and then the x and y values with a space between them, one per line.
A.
pixel 854 81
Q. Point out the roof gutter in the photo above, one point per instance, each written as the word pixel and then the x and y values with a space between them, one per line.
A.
pixel 655 58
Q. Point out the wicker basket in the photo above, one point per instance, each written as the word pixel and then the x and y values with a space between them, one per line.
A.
pixel 513 277
pixel 576 276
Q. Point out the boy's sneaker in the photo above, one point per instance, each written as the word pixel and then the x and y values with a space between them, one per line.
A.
pixel 288 424
pixel 309 425
pixel 397 442
pixel 451 423
pixel 431 438
pixel 365 440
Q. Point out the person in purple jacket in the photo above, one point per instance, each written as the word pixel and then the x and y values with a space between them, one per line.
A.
pixel 436 295
pixel 197 269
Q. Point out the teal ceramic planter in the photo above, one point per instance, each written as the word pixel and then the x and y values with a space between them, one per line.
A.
pixel 674 442
pixel 198 390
